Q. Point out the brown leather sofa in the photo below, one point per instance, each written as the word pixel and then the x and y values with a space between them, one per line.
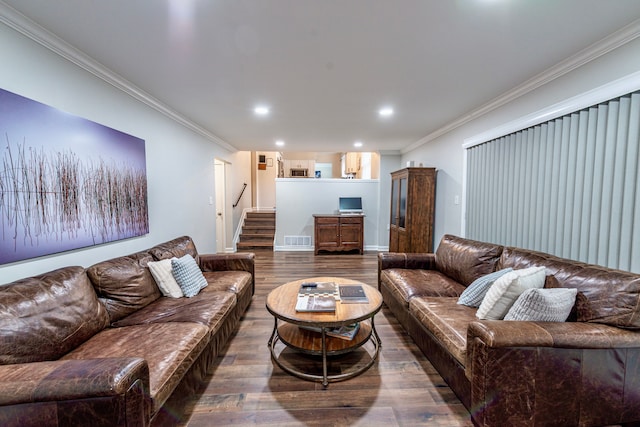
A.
pixel 582 372
pixel 102 347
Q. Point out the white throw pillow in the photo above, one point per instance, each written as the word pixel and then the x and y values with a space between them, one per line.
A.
pixel 473 295
pixel 543 305
pixel 161 272
pixel 506 290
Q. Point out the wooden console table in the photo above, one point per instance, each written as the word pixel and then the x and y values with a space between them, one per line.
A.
pixel 338 233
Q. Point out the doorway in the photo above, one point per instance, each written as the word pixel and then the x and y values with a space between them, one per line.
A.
pixel 220 188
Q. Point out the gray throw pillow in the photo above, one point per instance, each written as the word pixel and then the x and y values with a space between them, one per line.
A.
pixel 543 305
pixel 188 275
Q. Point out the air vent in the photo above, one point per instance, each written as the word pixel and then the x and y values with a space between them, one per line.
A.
pixel 297 240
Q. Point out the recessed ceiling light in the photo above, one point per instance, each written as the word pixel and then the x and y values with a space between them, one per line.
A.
pixel 386 112
pixel 279 143
pixel 261 110
pixel 357 144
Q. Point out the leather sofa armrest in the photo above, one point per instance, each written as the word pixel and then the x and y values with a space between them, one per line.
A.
pixel 70 392
pixel 548 373
pixel 499 333
pixel 423 261
pixel 243 261
pixel 239 261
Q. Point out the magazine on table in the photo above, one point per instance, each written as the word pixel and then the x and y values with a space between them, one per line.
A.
pixel 316 303
pixel 346 332
pixel 318 288
pixel 353 294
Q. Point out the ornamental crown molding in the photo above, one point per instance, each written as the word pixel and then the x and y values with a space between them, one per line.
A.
pixel 612 42
pixel 25 26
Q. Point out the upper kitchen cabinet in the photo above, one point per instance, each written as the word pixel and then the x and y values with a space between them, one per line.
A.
pixel 352 163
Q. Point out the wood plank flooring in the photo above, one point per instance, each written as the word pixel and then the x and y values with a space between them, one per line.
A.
pixel 247 389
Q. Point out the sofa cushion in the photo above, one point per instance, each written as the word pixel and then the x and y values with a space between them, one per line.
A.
pixel 543 305
pixel 408 283
pixel 177 248
pixel 188 275
pixel 209 308
pixel 124 284
pixel 473 295
pixel 506 290
pixel 446 320
pixel 235 281
pixel 465 260
pixel 605 295
pixel 162 274
pixel 169 349
pixel 44 317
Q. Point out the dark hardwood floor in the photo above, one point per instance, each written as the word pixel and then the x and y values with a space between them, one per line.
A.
pixel 246 388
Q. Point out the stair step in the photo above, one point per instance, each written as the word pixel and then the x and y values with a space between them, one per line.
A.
pixel 256 237
pixel 254 245
pixel 271 215
pixel 259 230
pixel 258 223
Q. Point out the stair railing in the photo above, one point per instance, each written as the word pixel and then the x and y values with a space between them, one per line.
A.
pixel 240 196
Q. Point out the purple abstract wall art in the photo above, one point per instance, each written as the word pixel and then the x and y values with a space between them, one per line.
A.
pixel 65 182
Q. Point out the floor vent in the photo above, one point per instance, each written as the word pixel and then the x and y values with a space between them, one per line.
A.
pixel 297 240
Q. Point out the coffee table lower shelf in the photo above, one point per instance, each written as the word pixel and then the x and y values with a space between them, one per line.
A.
pixel 320 344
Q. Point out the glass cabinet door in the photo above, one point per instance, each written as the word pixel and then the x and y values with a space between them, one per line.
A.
pixel 394 201
pixel 403 202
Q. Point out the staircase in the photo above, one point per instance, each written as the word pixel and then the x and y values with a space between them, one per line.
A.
pixel 258 232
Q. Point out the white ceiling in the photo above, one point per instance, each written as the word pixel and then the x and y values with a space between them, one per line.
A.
pixel 325 67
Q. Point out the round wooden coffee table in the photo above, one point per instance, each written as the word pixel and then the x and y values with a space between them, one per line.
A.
pixel 288 322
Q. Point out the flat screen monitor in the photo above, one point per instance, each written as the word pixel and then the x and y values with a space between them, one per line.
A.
pixel 350 205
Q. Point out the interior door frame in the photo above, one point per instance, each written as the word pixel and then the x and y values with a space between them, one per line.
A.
pixel 220 177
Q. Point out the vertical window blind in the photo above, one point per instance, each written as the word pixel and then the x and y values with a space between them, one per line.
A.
pixel 569 186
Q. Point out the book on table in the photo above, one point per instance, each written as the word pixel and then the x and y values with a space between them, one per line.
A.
pixel 345 332
pixel 352 294
pixel 317 297
pixel 316 303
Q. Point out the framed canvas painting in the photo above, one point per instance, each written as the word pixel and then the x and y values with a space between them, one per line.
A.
pixel 65 182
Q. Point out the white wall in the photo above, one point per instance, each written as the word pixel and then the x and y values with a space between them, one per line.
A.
pixel 266 181
pixel 180 170
pixel 297 199
pixel 446 152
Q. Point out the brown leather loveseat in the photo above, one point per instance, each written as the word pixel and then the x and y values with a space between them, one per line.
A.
pixel 581 372
pixel 102 347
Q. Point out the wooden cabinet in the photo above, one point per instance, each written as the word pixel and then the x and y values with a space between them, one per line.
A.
pixel 352 163
pixel 413 197
pixel 339 233
pixel 309 165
